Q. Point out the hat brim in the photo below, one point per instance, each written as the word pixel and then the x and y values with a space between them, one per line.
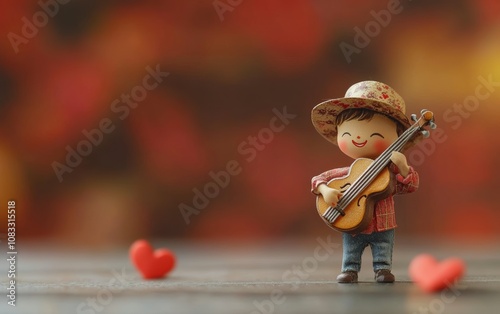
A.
pixel 324 114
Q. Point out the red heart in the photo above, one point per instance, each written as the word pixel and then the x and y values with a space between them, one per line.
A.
pixel 151 264
pixel 431 276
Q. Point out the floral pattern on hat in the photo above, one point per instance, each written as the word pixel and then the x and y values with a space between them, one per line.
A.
pixel 371 95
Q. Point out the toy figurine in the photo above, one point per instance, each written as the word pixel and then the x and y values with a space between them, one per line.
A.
pixel 368 123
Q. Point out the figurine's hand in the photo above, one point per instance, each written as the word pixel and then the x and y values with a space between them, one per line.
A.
pixel 331 196
pixel 400 161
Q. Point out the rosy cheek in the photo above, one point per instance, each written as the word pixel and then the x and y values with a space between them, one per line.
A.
pixel 343 145
pixel 380 146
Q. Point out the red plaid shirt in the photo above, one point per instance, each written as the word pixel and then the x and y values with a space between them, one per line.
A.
pixel 384 217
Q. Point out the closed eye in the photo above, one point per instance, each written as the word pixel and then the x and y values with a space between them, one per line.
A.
pixel 346 133
pixel 377 134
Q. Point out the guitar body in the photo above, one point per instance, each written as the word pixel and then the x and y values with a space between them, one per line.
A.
pixel 359 212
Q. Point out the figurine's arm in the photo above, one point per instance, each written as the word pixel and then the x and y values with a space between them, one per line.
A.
pixel 331 196
pixel 400 161
pixel 406 177
pixel 319 185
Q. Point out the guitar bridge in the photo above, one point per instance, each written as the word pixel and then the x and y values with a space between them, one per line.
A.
pixel 333 213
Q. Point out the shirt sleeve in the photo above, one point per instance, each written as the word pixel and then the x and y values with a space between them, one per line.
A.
pixel 326 176
pixel 406 184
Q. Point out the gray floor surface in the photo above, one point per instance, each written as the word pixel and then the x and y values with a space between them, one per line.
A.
pixel 293 276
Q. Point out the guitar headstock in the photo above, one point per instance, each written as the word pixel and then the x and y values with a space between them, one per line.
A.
pixel 426 119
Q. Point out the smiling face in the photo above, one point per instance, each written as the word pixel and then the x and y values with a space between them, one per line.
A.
pixel 366 138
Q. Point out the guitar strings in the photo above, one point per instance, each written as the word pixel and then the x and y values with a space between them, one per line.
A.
pixel 377 165
pixel 369 175
pixel 365 179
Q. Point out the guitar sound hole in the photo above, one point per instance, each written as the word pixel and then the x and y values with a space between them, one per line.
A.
pixel 359 199
pixel 344 187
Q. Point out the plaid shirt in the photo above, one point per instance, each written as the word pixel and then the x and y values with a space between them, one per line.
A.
pixel 384 217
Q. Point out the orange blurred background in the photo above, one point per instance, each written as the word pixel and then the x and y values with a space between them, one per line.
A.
pixel 229 65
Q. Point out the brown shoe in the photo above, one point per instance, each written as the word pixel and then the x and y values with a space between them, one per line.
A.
pixel 347 277
pixel 384 276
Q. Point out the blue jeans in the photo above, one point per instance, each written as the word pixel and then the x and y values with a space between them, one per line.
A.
pixel 381 244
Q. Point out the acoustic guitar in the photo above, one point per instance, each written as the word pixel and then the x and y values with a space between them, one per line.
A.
pixel 367 182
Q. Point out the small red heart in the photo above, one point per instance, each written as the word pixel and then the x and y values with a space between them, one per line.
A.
pixel 430 275
pixel 151 264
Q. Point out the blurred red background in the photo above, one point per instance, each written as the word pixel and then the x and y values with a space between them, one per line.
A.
pixel 229 67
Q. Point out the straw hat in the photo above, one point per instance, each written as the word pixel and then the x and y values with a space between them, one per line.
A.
pixel 371 95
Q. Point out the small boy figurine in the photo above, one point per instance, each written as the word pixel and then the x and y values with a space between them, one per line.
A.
pixel 364 123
